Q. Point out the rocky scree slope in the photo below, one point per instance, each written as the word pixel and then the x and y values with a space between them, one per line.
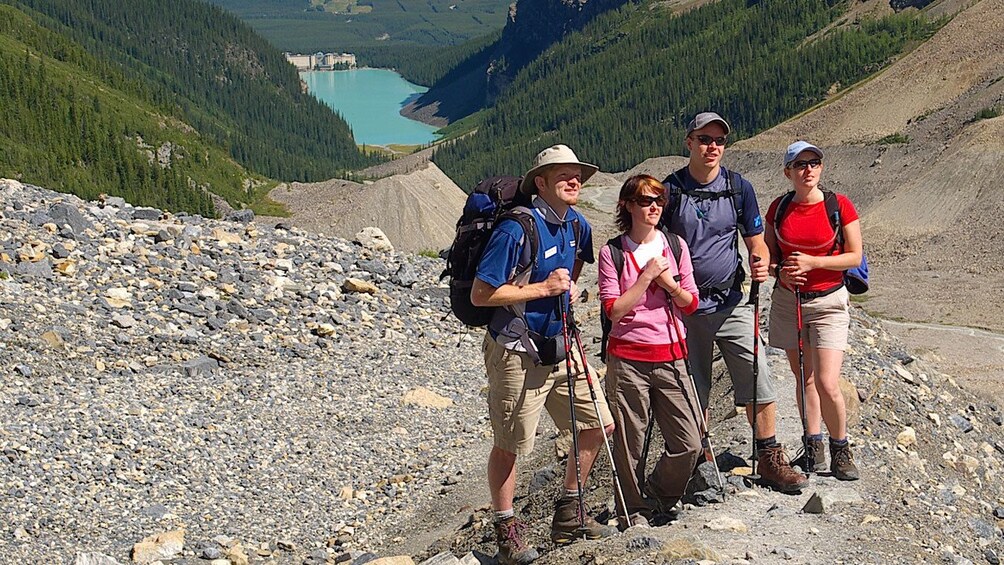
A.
pixel 285 397
pixel 930 452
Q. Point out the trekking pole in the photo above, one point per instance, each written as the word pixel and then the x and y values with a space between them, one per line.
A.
pixel 809 459
pixel 755 292
pixel 571 407
pixel 643 463
pixel 709 450
pixel 599 415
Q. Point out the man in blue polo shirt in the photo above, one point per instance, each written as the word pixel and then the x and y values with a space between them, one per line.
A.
pixel 711 207
pixel 524 348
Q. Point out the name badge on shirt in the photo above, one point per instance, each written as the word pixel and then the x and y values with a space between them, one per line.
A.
pixel 550 252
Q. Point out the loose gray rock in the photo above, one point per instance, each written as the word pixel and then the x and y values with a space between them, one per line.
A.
pixel 962 423
pixel 64 214
pixel 242 216
pixel 643 543
pixel 145 213
pixel 201 365
pixel 37 270
pixel 444 558
pixel 92 558
pixel 827 501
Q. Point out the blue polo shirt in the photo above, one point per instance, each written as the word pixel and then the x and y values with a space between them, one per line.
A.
pixel 709 228
pixel 557 249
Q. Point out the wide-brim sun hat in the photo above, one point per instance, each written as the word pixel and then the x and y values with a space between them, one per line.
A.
pixel 554 155
pixel 791 153
pixel 706 118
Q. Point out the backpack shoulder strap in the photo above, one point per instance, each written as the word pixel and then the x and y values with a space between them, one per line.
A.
pixel 524 217
pixel 833 213
pixel 674 186
pixel 617 252
pixel 734 188
pixel 782 209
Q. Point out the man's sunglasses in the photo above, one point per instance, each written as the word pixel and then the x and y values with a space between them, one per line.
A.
pixel 810 164
pixel 707 139
pixel 645 201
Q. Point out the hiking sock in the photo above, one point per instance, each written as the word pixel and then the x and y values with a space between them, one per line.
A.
pixel 814 437
pixel 501 515
pixel 571 493
pixel 838 442
pixel 766 443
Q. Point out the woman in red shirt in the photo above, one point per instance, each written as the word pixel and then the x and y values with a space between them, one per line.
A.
pixel 807 255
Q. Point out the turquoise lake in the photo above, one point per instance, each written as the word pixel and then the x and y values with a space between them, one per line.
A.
pixel 370 101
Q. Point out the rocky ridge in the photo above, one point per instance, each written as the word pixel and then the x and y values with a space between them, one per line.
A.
pixel 262 391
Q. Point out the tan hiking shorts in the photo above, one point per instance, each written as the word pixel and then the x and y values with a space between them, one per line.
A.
pixel 825 320
pixel 518 390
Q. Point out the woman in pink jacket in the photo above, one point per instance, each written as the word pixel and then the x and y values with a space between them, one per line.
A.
pixel 645 354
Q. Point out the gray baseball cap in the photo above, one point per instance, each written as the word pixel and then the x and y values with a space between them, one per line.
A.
pixel 795 148
pixel 705 118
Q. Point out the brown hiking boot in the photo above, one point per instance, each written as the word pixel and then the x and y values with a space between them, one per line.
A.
pixel 659 502
pixel 813 457
pixel 842 463
pixel 513 550
pixel 776 472
pixel 565 525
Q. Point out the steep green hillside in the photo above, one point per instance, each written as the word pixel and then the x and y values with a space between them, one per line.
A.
pixel 67 123
pixel 224 80
pixel 623 89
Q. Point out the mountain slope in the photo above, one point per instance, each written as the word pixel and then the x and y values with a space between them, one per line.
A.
pixel 188 63
pixel 931 204
pixel 623 89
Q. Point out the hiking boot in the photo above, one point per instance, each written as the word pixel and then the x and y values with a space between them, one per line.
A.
pixel 513 549
pixel 812 458
pixel 842 463
pixel 658 502
pixel 565 525
pixel 776 472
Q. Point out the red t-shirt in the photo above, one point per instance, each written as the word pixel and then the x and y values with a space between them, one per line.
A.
pixel 805 228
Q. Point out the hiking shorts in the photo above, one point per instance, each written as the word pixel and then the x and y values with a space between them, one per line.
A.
pixel 731 329
pixel 825 320
pixel 518 390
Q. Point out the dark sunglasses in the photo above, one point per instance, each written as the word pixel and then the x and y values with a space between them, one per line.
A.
pixel 645 201
pixel 707 139
pixel 810 164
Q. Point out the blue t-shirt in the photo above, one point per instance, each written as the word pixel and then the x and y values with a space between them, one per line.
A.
pixel 557 249
pixel 709 227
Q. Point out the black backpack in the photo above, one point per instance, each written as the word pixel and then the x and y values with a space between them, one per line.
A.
pixel 492 200
pixel 855 279
pixel 617 255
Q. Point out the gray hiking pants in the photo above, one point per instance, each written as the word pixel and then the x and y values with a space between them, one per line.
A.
pixel 732 330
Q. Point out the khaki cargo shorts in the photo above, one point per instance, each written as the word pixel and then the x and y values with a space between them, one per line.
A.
pixel 518 390
pixel 825 320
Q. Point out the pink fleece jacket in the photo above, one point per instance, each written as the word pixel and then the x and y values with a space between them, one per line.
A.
pixel 648 330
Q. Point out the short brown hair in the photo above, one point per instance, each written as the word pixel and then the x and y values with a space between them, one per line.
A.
pixel 631 189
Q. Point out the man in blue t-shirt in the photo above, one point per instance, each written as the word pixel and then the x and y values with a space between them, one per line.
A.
pixel 524 347
pixel 711 207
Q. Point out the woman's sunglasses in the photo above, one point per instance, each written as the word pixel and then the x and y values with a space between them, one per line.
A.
pixel 810 164
pixel 644 201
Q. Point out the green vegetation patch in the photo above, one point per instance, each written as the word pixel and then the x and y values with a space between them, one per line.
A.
pixel 988 113
pixel 894 139
pixel 623 89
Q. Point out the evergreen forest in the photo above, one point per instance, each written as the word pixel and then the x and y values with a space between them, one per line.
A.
pixel 306 26
pixel 624 88
pixel 100 85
